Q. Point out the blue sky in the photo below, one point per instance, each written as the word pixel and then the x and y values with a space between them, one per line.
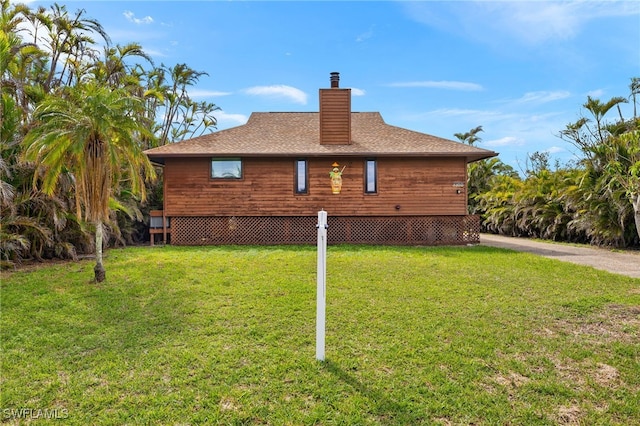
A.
pixel 522 70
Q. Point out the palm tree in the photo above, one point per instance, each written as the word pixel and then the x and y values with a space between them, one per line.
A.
pixel 634 88
pixel 70 36
pixel 599 109
pixel 470 137
pixel 114 70
pixel 91 133
pixel 176 95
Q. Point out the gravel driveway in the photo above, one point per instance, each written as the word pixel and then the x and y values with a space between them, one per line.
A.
pixel 618 262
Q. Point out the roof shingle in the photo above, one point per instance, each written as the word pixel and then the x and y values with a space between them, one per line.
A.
pixel 298 134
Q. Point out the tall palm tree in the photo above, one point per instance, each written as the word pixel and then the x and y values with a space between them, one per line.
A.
pixel 634 88
pixel 90 132
pixel 69 36
pixel 182 76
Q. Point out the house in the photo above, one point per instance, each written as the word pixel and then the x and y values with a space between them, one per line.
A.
pixel 264 182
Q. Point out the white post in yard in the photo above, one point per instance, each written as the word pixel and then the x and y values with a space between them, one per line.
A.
pixel 321 293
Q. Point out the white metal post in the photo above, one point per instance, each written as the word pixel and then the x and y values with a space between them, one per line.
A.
pixel 321 293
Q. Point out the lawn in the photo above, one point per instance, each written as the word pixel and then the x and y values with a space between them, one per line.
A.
pixel 226 335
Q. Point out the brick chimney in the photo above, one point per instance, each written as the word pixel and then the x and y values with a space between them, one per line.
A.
pixel 335 114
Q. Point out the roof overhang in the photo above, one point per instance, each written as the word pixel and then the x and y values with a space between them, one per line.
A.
pixel 159 159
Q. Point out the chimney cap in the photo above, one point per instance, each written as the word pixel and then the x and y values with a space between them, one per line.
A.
pixel 335 79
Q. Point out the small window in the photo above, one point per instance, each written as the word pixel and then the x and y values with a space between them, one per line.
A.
pixel 370 177
pixel 301 177
pixel 226 168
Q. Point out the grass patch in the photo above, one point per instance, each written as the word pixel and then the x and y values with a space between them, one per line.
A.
pixel 448 335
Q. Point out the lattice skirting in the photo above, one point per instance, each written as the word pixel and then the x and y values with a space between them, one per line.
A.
pixel 401 230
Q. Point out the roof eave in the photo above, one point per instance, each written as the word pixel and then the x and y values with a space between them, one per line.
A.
pixel 483 156
pixel 471 157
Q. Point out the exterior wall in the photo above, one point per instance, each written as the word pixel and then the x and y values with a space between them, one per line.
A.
pixel 406 187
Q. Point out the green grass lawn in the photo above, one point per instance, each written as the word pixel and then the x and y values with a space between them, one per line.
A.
pixel 226 335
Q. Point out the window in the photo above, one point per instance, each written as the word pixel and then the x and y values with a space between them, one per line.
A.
pixel 301 177
pixel 370 177
pixel 226 168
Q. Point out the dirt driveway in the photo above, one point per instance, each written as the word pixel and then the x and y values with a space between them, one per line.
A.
pixel 618 262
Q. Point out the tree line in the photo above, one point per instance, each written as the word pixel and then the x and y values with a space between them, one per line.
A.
pixel 76 114
pixel 594 199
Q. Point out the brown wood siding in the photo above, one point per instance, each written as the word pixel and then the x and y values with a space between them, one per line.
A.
pixel 335 116
pixel 419 186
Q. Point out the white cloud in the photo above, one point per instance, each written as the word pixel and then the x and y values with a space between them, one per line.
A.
pixel 279 91
pixel 505 141
pixel 530 22
pixel 207 93
pixel 476 115
pixel 155 53
pixel 226 120
pixel 543 96
pixel 451 85
pixel 131 18
pixel 454 112
pixel 539 21
pixel 365 36
pixel 357 92
pixel 596 93
pixel 122 35
pixel 544 117
pixel 555 150
pixel 535 22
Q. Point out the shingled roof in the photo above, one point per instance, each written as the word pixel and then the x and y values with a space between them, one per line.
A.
pixel 297 134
